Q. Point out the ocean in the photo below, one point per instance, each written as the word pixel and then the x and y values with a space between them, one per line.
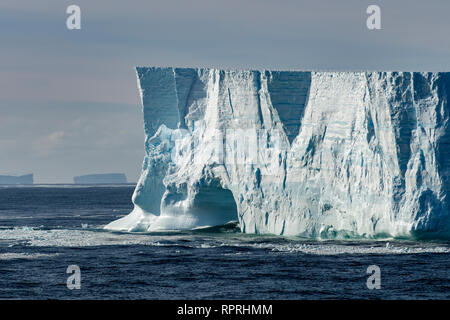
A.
pixel 46 229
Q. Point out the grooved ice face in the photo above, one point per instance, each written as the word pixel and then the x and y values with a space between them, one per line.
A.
pixel 318 154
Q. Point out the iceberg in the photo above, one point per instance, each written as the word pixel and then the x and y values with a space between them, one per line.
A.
pixel 311 154
pixel 24 179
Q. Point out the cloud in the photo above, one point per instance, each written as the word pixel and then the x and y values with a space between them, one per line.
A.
pixel 44 145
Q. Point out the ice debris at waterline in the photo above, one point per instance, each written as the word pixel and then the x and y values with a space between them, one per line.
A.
pixel 316 154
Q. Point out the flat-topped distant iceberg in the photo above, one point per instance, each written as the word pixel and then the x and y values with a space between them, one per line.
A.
pixel 315 154
pixel 25 179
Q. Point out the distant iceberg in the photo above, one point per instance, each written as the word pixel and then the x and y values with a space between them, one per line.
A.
pixel 105 178
pixel 25 179
pixel 315 154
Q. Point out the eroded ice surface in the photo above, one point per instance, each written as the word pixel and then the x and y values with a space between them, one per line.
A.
pixel 316 154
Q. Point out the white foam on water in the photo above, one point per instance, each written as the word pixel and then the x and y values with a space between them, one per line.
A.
pixel 92 237
pixel 26 256
pixel 67 238
pixel 331 249
pixel 339 248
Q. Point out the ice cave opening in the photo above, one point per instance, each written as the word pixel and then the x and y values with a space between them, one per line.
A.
pixel 214 205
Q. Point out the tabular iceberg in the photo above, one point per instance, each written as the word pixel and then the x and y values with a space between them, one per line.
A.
pixel 25 179
pixel 314 154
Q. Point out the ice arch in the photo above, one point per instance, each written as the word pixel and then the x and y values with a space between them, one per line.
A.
pixel 196 206
pixel 214 205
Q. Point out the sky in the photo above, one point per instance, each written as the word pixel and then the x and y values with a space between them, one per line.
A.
pixel 69 103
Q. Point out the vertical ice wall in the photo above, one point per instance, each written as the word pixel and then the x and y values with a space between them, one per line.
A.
pixel 319 154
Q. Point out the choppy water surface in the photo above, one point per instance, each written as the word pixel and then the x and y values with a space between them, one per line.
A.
pixel 45 229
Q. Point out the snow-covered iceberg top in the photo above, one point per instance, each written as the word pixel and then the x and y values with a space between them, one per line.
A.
pixel 316 154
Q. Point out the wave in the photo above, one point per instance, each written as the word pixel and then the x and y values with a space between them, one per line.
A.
pixel 217 238
pixel 26 256
pixel 230 227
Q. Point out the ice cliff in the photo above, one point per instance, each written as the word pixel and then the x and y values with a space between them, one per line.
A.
pixel 315 154
pixel 25 179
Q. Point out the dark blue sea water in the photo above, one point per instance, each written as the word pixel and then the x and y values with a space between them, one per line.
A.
pixel 45 229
